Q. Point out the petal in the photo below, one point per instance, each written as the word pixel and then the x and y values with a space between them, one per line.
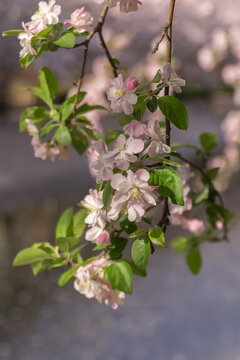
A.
pixel 116 180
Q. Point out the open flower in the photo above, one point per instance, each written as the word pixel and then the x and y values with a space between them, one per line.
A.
pixel 90 281
pixel 81 20
pixel 104 163
pixel 47 14
pixel 121 94
pixel 96 213
pixel 125 149
pixel 136 129
pixel 25 38
pixel 170 78
pixel 133 195
pixel 98 235
pixel 157 146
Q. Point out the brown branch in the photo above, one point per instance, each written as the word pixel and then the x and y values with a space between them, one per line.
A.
pixel 163 35
pixel 164 221
pixel 107 53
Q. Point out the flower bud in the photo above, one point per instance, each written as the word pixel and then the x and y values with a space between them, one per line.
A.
pixel 132 83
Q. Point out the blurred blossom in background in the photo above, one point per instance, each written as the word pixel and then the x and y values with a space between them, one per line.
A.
pixel 172 315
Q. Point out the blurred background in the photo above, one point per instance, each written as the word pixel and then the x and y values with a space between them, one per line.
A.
pixel 172 315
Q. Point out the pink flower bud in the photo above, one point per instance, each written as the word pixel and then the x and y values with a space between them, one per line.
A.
pixel 132 83
pixel 103 238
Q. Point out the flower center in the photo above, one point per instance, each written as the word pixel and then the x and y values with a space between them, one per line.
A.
pixel 92 209
pixel 173 77
pixel 135 192
pixel 119 93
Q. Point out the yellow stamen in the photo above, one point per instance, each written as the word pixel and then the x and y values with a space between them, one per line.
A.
pixel 119 93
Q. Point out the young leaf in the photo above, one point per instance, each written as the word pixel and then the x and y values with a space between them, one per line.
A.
pixel 79 223
pixel 140 252
pixel 165 161
pixel 174 111
pixel 63 229
pixel 135 270
pixel 79 140
pixel 140 107
pixel 181 243
pixel 119 274
pixel 152 104
pixel 29 256
pixel 66 108
pixel 208 142
pixel 169 182
pixel 63 244
pixel 194 260
pixel 117 247
pixel 11 32
pixel 42 95
pixel 67 40
pixel 62 136
pixel 48 83
pixel 67 276
pixel 157 78
pixel 124 120
pixel 156 236
pixel 107 195
pixel 137 233
pixel 128 226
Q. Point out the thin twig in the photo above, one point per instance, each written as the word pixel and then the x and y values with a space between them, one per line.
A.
pixel 97 29
pixel 163 35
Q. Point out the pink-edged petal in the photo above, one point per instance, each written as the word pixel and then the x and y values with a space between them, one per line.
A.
pixel 116 180
pixel 143 174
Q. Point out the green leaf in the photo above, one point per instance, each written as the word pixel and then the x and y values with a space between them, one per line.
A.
pixel 48 83
pixel 156 236
pixel 117 247
pixel 181 243
pixel 211 174
pixel 86 108
pixel 140 107
pixel 63 229
pixel 111 135
pixel 63 244
pixel 119 274
pixel 66 108
pixel 75 253
pixel 157 78
pixel 148 220
pixel 194 260
pixel 124 120
pixel 12 32
pixel 29 256
pixel 208 142
pixel 42 95
pixel 135 270
pixel 79 140
pixel 67 276
pixel 62 136
pixel 79 222
pixel 152 104
pixel 67 40
pixel 137 233
pixel 216 212
pixel 170 184
pixel 174 111
pixel 140 252
pixel 203 195
pixel 128 226
pixel 107 195
pixel 37 114
pixel 39 266
pixel 100 246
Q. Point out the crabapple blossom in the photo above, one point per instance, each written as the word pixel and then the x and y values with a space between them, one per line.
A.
pixel 125 149
pixel 47 14
pixel 104 163
pixel 90 281
pixel 133 195
pixel 32 129
pixel 81 20
pixel 25 38
pixel 121 97
pixel 96 213
pixel 170 78
pixel 98 235
pixel 157 145
pixel 136 129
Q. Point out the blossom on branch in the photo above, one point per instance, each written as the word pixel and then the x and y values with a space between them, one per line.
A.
pixel 25 42
pixel 170 78
pixel 157 145
pixel 47 14
pixel 81 20
pixel 133 195
pixel 104 163
pixel 121 94
pixel 96 213
pixel 90 282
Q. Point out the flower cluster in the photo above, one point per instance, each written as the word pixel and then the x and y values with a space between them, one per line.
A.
pixel 89 281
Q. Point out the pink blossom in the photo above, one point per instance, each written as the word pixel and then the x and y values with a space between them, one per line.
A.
pixel 122 99
pixel 133 195
pixel 129 5
pixel 219 225
pixel 47 14
pixel 157 135
pixel 104 163
pixel 81 20
pixel 206 58
pixel 98 235
pixel 195 226
pixel 90 281
pixel 32 129
pixel 125 149
pixel 170 78
pixel 132 83
pixel 25 38
pixel 96 213
pixel 136 129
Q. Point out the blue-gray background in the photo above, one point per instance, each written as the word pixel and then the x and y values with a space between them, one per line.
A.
pixel 171 315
